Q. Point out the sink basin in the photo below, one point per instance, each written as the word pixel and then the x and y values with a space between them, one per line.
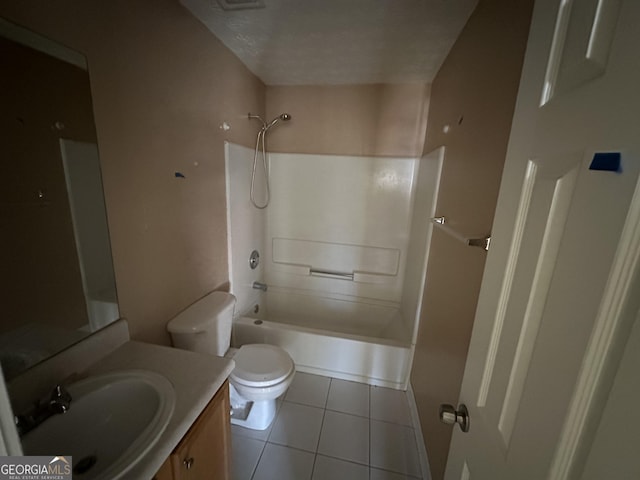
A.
pixel 114 420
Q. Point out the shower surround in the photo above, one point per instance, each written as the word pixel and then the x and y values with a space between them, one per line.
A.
pixel 342 250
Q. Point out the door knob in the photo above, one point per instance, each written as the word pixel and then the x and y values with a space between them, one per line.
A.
pixel 451 416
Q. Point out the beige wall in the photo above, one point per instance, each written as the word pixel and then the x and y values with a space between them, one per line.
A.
pixel 474 93
pixel 161 86
pixel 381 120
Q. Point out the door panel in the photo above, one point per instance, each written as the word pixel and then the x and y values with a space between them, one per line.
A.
pixel 561 222
pixel 581 44
pixel 547 217
pixel 547 191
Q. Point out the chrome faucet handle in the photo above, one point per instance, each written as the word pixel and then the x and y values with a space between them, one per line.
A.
pixel 60 401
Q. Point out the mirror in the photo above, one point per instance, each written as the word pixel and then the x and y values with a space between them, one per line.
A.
pixel 58 280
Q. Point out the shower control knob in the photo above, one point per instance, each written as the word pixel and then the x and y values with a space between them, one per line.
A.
pixel 451 416
pixel 254 260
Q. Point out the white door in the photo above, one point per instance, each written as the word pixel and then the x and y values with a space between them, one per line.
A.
pixel 557 295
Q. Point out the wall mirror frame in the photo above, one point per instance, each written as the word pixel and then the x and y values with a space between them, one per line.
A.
pixel 58 278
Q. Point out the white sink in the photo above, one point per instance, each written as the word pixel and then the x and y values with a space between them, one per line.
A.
pixel 114 420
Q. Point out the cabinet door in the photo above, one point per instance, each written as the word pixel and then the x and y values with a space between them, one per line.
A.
pixel 204 452
pixel 165 471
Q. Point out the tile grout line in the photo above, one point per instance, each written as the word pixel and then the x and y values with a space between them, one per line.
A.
pixel 388 422
pixel 406 475
pixel 291 448
pixel 324 412
pixel 324 409
pixel 266 440
pixel 352 462
pixel 369 432
pixel 255 468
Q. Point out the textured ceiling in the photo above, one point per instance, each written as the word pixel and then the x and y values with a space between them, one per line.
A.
pixel 332 42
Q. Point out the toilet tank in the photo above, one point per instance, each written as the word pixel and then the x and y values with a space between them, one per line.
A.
pixel 205 326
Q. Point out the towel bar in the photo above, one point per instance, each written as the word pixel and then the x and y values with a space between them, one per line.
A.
pixel 482 242
pixel 327 273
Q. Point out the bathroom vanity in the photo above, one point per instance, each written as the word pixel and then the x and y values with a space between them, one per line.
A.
pixel 195 444
pixel 197 441
pixel 205 450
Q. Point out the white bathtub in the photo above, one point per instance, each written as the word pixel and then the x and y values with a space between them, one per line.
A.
pixel 358 341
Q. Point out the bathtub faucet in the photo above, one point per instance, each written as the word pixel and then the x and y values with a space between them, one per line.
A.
pixel 260 286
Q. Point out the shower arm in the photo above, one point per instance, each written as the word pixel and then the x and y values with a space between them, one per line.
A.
pixel 285 117
pixel 251 116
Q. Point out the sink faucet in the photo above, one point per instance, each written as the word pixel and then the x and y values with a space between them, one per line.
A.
pixel 59 402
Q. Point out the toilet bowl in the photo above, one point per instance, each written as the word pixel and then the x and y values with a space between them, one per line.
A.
pixel 262 372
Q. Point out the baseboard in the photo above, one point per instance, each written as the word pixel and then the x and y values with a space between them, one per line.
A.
pixel 415 420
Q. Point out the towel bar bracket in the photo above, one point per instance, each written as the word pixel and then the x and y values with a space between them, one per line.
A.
pixel 482 242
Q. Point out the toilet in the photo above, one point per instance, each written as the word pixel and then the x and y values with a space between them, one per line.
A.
pixel 262 372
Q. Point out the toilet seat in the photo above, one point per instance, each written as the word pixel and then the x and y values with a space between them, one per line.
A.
pixel 261 365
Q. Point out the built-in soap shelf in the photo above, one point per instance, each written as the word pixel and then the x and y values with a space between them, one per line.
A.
pixel 326 273
pixel 356 263
pixel 359 277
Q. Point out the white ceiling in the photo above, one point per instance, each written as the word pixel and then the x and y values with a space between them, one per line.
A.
pixel 333 42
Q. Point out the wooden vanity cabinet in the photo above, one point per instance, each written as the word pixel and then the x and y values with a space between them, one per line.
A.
pixel 205 451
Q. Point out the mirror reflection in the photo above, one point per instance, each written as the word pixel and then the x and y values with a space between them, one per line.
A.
pixel 58 280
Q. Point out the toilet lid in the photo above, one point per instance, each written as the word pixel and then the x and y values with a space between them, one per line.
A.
pixel 260 365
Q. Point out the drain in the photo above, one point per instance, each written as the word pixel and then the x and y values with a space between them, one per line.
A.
pixel 84 465
pixel 258 322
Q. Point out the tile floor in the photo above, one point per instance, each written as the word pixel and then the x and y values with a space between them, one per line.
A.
pixel 330 429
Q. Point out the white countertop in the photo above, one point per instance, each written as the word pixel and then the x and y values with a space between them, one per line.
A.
pixel 195 377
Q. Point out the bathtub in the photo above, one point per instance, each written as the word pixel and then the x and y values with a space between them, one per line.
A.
pixel 362 341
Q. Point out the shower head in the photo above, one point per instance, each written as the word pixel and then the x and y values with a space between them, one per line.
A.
pixel 285 117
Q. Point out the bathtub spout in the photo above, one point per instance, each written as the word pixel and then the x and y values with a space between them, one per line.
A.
pixel 260 286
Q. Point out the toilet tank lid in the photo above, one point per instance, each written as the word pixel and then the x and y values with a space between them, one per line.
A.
pixel 199 315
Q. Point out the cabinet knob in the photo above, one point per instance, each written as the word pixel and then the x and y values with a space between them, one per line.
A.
pixel 188 462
